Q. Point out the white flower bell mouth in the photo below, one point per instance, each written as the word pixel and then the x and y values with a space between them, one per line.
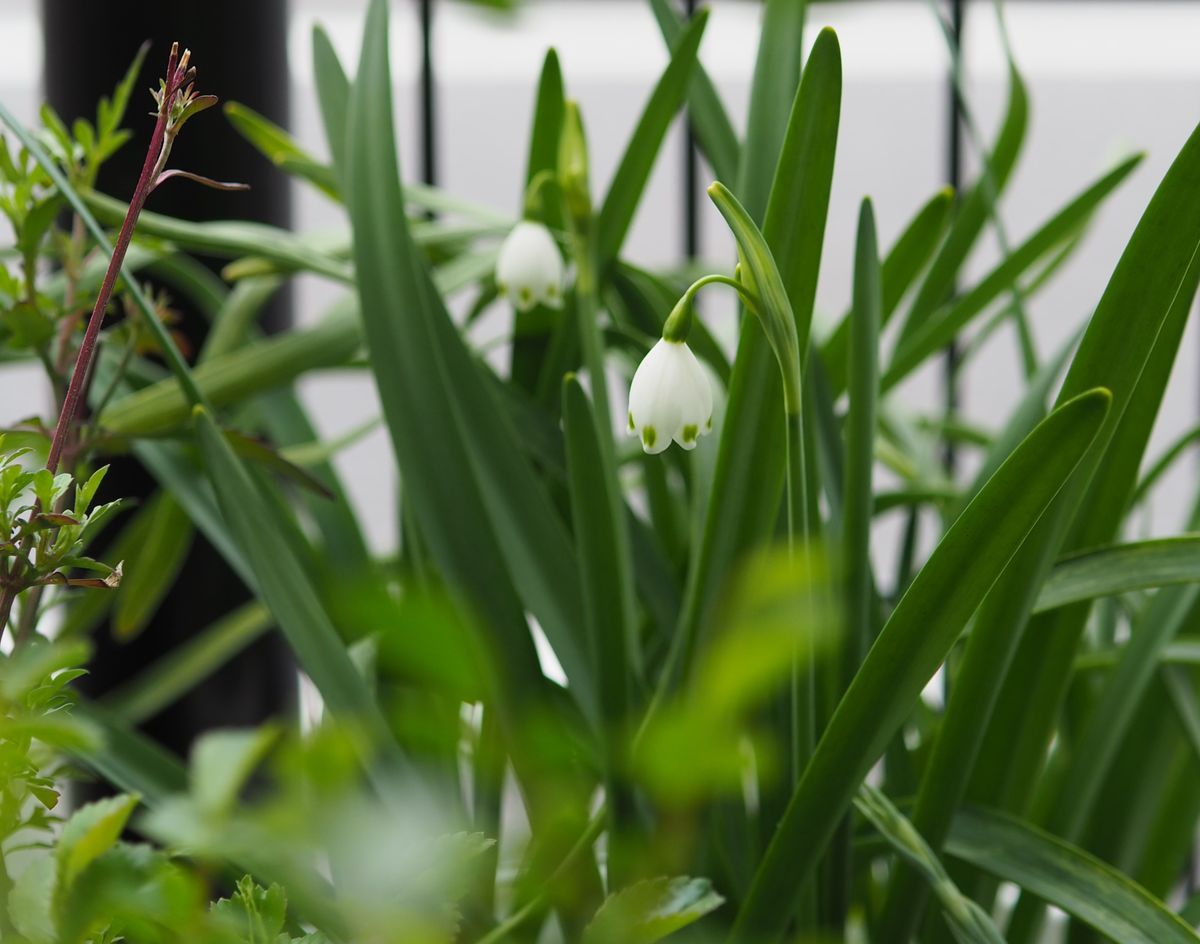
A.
pixel 529 269
pixel 670 398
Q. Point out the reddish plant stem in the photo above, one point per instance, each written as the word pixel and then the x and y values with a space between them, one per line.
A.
pixel 177 73
pixel 87 348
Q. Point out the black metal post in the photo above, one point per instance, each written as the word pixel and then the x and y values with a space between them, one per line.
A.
pixel 691 180
pixel 240 50
pixel 954 151
pixel 428 97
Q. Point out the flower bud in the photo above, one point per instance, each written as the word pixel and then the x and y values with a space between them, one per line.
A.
pixel 529 269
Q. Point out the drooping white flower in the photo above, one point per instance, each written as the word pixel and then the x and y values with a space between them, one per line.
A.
pixel 670 398
pixel 529 269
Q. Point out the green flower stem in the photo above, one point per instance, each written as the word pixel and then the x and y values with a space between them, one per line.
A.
pixel 587 303
pixel 519 917
pixel 679 323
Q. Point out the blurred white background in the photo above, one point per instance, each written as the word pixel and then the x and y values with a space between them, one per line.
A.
pixel 1105 79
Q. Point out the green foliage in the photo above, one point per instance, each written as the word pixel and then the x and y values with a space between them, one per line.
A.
pixel 742 694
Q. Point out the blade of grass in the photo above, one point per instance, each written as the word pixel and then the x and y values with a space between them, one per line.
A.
pixel 597 510
pixel 230 378
pixel 285 588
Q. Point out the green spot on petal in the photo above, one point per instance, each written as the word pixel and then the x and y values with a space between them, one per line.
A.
pixel 690 432
pixel 525 296
pixel 648 436
pixel 632 424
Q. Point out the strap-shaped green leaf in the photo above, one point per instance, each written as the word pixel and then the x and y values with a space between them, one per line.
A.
pixel 857 496
pixel 285 587
pixel 910 647
pixel 625 190
pixel 748 480
pixel 973 212
pixel 1066 877
pixel 487 520
pixel 938 330
pixel 1121 568
pixel 773 86
pixel 710 122
pixel 333 95
pixel 908 255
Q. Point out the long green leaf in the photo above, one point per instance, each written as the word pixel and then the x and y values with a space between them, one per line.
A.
pixel 900 268
pixel 598 513
pixel 1065 876
pixel 230 239
pixel 629 180
pixel 285 587
pixel 1130 346
pixel 972 214
pixel 229 378
pixel 714 132
pixel 863 381
pixel 910 647
pixel 166 537
pixel 776 79
pixel 484 516
pixel 162 682
pixel 333 95
pixel 749 475
pixel 1121 568
pixel 596 507
pixel 938 331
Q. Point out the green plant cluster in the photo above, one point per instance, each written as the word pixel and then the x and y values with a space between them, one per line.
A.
pixel 602 692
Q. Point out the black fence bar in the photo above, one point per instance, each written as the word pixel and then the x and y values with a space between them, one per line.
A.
pixel 428 97
pixel 954 155
pixel 691 179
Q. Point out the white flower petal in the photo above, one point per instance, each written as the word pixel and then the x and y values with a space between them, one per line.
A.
pixel 529 268
pixel 670 398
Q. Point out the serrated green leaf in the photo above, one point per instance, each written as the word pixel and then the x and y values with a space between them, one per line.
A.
pixel 651 910
pixel 90 832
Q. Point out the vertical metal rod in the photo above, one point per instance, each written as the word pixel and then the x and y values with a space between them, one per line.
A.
pixel 428 97
pixel 691 180
pixel 954 152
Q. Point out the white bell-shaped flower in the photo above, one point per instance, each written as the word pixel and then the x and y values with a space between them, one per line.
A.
pixel 670 398
pixel 529 269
